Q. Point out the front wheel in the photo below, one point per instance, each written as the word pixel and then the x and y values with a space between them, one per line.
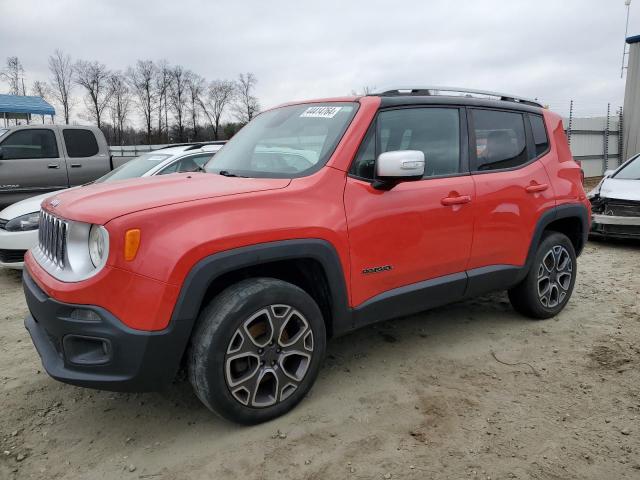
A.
pixel 546 289
pixel 256 350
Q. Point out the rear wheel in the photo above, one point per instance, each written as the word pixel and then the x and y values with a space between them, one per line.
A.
pixel 256 350
pixel 548 286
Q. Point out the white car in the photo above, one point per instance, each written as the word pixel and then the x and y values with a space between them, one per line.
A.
pixel 19 222
pixel 615 202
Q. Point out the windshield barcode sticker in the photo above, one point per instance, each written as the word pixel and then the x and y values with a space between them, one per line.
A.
pixel 320 112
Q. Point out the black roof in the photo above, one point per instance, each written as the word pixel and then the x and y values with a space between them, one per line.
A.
pixel 450 100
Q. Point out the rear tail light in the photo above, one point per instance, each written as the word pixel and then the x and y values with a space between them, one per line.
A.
pixel 581 170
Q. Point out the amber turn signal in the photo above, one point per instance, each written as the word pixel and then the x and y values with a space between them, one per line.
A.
pixel 131 243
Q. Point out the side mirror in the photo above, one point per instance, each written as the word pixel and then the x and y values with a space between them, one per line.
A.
pixel 398 166
pixel 608 173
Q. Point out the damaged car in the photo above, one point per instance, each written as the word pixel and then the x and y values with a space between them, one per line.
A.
pixel 615 202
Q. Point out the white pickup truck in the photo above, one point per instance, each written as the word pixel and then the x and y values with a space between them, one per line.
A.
pixel 36 159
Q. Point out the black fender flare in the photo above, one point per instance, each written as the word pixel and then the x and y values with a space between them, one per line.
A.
pixel 570 210
pixel 207 270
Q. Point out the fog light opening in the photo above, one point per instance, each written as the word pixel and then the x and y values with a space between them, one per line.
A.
pixel 84 315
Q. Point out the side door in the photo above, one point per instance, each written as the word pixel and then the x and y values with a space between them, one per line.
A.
pixel 512 185
pixel 189 163
pixel 31 164
pixel 410 245
pixel 85 160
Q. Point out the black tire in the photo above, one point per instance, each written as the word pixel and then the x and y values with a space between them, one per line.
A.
pixel 227 322
pixel 526 297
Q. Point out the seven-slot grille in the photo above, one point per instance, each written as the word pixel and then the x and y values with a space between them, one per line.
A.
pixel 52 236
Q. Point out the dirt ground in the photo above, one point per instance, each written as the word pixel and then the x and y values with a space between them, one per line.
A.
pixel 419 397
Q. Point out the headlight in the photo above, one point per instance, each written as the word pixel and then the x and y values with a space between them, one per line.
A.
pixel 23 222
pixel 98 245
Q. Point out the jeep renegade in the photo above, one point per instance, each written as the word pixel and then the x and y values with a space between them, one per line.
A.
pixel 317 218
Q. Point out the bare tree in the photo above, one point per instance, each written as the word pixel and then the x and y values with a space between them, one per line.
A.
pixel 13 74
pixel 94 78
pixel 219 95
pixel 366 90
pixel 61 81
pixel 247 105
pixel 119 104
pixel 195 90
pixel 178 97
pixel 141 78
pixel 42 90
pixel 161 84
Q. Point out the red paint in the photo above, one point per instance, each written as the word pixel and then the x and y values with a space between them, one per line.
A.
pixel 423 229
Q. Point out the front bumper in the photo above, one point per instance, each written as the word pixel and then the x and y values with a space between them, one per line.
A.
pixel 13 246
pixel 615 226
pixel 97 350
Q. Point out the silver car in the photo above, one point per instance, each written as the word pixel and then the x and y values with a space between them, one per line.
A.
pixel 19 222
pixel 615 202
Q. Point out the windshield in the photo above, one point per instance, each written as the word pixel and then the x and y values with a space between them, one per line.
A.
pixel 134 168
pixel 286 142
pixel 3 131
pixel 631 171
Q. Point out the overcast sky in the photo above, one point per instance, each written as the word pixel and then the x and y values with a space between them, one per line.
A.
pixel 554 50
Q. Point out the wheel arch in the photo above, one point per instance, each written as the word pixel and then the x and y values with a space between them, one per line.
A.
pixel 312 264
pixel 571 219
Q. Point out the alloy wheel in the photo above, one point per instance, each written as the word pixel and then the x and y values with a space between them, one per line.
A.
pixel 268 356
pixel 554 276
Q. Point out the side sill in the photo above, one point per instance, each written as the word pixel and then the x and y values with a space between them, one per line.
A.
pixel 411 299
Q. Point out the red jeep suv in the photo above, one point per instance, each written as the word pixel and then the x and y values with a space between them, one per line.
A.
pixel 317 218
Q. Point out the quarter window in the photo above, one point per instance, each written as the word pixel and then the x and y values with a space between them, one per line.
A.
pixel 500 139
pixel 539 134
pixel 30 143
pixel 434 131
pixel 80 143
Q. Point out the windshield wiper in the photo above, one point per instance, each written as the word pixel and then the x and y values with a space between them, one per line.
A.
pixel 227 173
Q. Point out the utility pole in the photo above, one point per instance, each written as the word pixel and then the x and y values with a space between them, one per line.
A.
pixel 570 122
pixel 605 158
pixel 626 31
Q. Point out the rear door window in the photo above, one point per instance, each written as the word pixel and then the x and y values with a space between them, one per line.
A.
pixel 30 143
pixel 192 163
pixel 500 139
pixel 80 143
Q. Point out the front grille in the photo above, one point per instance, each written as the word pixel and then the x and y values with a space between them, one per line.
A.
pixel 12 256
pixel 621 208
pixel 52 237
pixel 616 230
pixel 630 230
pixel 3 223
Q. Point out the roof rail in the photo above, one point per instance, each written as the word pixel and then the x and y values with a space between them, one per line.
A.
pixel 194 145
pixel 467 92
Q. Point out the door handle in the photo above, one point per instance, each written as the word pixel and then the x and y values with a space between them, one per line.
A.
pixel 535 188
pixel 75 165
pixel 459 200
pixel 53 165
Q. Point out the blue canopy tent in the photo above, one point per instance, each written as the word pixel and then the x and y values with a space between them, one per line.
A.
pixel 22 107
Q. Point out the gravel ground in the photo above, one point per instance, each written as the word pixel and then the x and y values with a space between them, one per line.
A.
pixel 425 396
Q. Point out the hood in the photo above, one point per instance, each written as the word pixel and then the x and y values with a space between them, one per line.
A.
pixel 28 205
pixel 620 189
pixel 99 203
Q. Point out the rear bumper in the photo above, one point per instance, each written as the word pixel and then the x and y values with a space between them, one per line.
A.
pixel 615 226
pixel 97 350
